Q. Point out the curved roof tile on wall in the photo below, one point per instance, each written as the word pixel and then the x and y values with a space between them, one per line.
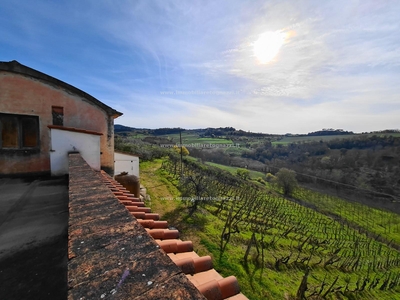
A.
pixel 18 68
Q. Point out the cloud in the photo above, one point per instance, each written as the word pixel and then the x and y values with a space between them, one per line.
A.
pixel 339 66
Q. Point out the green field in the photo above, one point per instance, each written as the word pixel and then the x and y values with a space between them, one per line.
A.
pixel 192 138
pixel 304 139
pixel 232 170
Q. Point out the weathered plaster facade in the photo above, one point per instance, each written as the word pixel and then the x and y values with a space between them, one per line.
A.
pixel 27 92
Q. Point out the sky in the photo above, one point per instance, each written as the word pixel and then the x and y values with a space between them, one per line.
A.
pixel 262 66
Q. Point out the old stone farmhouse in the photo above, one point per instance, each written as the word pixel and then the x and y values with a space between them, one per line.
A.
pixel 42 118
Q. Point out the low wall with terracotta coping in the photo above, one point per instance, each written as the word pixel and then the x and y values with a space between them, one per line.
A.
pixel 110 255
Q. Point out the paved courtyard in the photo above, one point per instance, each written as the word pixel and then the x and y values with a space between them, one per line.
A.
pixel 33 238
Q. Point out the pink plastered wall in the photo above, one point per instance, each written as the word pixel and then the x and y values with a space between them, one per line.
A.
pixel 24 95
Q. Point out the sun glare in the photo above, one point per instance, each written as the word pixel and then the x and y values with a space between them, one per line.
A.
pixel 267 46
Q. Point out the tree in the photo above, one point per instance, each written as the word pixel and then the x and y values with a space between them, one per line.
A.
pixel 185 151
pixel 196 189
pixel 269 177
pixel 243 173
pixel 286 179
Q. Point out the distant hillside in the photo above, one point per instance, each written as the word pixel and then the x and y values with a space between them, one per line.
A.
pixel 232 132
pixel 206 132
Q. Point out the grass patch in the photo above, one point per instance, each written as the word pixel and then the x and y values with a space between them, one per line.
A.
pixel 232 170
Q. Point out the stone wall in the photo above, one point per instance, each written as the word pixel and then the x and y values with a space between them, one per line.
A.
pixel 110 254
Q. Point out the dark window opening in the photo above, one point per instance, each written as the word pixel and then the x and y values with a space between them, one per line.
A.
pixel 9 132
pixel 19 131
pixel 29 128
pixel 58 115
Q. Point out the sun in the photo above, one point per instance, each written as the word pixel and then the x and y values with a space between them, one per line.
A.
pixel 267 46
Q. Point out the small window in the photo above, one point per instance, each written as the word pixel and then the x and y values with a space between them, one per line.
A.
pixel 19 131
pixel 58 115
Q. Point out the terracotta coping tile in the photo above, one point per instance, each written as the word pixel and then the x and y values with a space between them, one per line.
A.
pixel 132 208
pixel 164 234
pixel 135 199
pixel 136 203
pixel 186 254
pixel 153 224
pixel 126 194
pixel 186 265
pixel 129 196
pixel 203 277
pixel 229 286
pixel 152 216
pixel 189 265
pixel 211 290
pixel 202 264
pixel 176 246
pixel 220 289
pixel 170 246
pixel 118 193
pixel 184 246
pixel 126 202
pixel 138 215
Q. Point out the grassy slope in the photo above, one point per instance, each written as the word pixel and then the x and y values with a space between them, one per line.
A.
pixel 232 170
pixel 204 230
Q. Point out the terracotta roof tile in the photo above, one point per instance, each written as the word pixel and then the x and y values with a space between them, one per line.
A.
pixel 220 289
pixel 153 224
pixel 152 216
pixel 203 277
pixel 138 209
pixel 183 255
pixel 176 246
pixel 211 290
pixel 229 286
pixel 163 234
pixel 191 265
